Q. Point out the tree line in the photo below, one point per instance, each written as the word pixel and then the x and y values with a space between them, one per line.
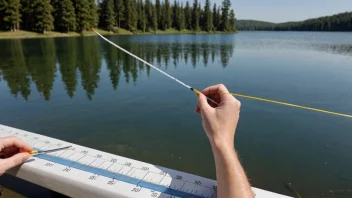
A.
pixel 133 15
pixel 337 22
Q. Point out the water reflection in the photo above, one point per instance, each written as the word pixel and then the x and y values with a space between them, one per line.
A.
pixel 67 59
pixel 344 49
pixel 80 59
pixel 15 73
pixel 41 65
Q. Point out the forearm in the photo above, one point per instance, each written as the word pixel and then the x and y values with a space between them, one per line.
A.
pixel 231 179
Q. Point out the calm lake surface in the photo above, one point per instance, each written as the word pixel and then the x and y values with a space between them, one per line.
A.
pixel 85 91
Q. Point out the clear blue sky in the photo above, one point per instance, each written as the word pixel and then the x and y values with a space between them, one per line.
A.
pixel 285 10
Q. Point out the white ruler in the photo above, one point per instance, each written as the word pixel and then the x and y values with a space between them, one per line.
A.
pixel 85 172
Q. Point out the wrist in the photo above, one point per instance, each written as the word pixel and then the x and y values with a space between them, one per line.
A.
pixel 222 146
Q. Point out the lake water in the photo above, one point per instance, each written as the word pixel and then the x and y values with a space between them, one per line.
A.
pixel 85 91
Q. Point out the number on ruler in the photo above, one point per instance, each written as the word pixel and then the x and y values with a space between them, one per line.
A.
pixel 25 135
pixel 198 182
pixel 84 152
pixel 112 182
pixel 59 144
pixel 49 164
pixel 162 173
pixel 35 138
pixel 93 177
pixel 178 177
pixel 127 164
pixel 47 142
pixel 136 189
pixel 98 156
pixel 154 194
pixel 67 169
pixel 113 160
pixel 145 168
pixel 215 188
pixel 171 196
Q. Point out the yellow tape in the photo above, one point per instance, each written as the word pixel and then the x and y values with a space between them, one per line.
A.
pixel 33 152
pixel 196 91
pixel 291 105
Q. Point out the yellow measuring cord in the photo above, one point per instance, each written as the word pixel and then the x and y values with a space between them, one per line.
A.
pixel 283 103
pixel 291 105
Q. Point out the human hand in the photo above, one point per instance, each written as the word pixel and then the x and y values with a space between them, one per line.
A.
pixel 12 153
pixel 219 122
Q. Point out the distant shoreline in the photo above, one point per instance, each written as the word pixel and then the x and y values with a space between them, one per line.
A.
pixel 20 34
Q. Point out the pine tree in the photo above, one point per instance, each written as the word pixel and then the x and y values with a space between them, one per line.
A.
pixel 64 15
pixel 26 11
pixel 42 17
pixel 201 18
pixel 188 16
pixel 82 15
pixel 149 14
pixel 130 15
pixel 195 16
pixel 167 15
pixel 208 21
pixel 119 8
pixel 155 19
pixel 163 22
pixel 158 10
pixel 107 14
pixel 134 13
pixel 218 16
pixel 175 15
pixel 181 18
pixel 215 18
pixel 225 25
pixel 10 16
pixel 70 15
pixel 232 21
pixel 143 17
pixel 93 13
pixel 141 23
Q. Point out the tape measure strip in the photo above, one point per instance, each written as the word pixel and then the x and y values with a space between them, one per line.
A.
pixel 116 176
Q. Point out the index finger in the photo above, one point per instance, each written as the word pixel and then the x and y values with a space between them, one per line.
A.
pixel 14 141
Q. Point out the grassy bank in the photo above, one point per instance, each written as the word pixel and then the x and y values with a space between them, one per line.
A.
pixel 28 34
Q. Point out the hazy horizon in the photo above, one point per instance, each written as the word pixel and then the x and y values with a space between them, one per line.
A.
pixel 277 11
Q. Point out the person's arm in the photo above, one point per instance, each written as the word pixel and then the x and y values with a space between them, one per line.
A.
pixel 12 153
pixel 220 124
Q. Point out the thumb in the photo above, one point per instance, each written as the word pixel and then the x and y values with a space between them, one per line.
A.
pixel 203 103
pixel 13 161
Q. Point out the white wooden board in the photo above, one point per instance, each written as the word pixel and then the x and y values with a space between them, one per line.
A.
pixel 85 172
